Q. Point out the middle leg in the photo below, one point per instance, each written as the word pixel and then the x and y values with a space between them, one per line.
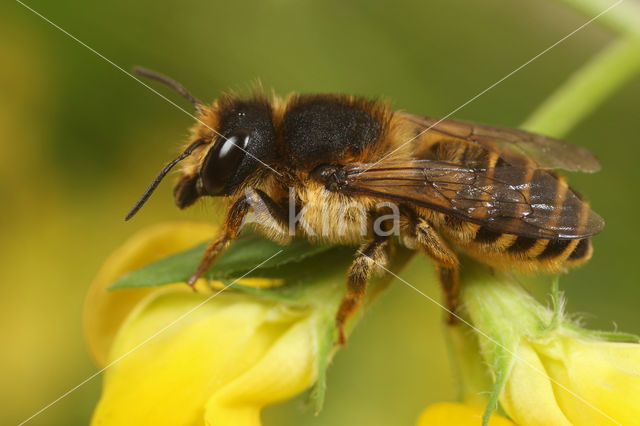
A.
pixel 369 257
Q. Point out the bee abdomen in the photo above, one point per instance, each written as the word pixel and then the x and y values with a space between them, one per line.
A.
pixel 522 245
pixel 581 253
pixel 557 249
pixel 526 252
pixel 566 252
pixel 550 254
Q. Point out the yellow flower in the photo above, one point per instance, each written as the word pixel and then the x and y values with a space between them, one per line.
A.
pixel 105 310
pixel 546 370
pixel 175 360
pixel 457 414
pixel 594 382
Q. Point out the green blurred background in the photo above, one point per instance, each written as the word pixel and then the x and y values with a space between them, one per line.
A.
pixel 80 140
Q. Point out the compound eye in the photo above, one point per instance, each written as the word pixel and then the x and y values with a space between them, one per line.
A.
pixel 222 161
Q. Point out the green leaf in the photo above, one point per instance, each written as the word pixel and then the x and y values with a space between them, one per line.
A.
pixel 313 280
pixel 326 337
pixel 242 255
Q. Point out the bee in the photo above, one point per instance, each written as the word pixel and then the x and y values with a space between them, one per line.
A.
pixel 486 191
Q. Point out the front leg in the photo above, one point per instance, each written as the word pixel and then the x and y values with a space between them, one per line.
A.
pixel 233 225
pixel 368 258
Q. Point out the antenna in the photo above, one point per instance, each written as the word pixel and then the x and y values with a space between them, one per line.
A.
pixel 143 72
pixel 143 199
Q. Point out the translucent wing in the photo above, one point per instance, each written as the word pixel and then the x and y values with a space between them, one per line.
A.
pixel 512 199
pixel 517 147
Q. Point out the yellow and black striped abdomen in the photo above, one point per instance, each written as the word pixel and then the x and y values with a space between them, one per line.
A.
pixel 523 253
pixel 546 226
pixel 500 207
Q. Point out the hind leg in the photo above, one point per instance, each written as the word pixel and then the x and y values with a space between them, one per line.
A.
pixel 450 284
pixel 446 261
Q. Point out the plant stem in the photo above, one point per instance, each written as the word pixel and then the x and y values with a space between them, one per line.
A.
pixel 587 88
pixel 600 77
pixel 623 18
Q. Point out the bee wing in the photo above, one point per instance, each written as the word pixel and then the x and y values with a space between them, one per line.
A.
pixel 512 199
pixel 516 147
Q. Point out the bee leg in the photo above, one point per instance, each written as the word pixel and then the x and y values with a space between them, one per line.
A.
pixel 450 284
pixel 272 217
pixel 265 208
pixel 367 258
pixel 232 226
pixel 446 263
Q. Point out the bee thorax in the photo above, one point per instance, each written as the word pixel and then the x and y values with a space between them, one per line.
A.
pixel 331 175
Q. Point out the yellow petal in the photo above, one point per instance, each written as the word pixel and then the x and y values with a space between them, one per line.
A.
pixel 457 414
pixel 261 282
pixel 105 310
pixel 528 396
pixel 226 359
pixel 605 376
pixel 286 369
pixel 589 382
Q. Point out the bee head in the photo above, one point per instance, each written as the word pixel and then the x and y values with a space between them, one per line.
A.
pixel 237 141
pixel 243 145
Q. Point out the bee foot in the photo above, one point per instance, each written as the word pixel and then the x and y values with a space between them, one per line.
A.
pixel 342 340
pixel 192 282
